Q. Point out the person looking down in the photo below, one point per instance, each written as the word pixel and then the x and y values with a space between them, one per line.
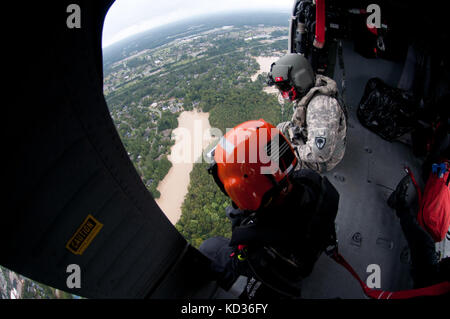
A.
pixel 282 219
pixel 318 127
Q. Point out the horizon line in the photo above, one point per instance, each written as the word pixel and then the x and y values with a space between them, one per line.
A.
pixel 185 19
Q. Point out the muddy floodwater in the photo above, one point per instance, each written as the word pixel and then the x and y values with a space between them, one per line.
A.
pixel 191 136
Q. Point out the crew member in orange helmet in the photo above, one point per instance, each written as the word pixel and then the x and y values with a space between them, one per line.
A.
pixel 282 218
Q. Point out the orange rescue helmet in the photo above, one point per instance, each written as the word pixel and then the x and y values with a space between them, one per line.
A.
pixel 251 161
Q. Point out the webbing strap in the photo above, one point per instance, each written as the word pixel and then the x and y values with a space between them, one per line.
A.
pixel 419 192
pixel 421 205
pixel 342 103
pixel 434 290
pixel 320 22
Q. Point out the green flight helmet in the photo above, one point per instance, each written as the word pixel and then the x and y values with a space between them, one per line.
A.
pixel 292 70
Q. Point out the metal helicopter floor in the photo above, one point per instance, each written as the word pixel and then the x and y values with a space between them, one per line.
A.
pixel 368 230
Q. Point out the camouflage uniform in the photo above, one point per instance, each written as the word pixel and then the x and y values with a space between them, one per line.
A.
pixel 318 127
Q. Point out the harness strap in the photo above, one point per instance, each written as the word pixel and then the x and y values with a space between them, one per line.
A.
pixel 420 219
pixel 434 290
pixel 342 67
pixel 416 185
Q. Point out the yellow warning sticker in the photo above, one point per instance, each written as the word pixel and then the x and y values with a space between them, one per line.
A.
pixel 84 235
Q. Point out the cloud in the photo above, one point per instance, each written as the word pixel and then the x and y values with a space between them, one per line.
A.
pixel 128 17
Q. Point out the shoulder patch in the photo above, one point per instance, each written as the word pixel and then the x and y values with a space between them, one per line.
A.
pixel 320 142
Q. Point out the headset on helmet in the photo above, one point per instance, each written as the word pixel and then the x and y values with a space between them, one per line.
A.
pixel 293 75
pixel 252 162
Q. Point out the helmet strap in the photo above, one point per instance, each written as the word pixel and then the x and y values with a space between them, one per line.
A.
pixel 212 169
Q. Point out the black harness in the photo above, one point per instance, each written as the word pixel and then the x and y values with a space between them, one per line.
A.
pixel 275 255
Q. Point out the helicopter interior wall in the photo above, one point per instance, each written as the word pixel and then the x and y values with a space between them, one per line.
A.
pixel 66 162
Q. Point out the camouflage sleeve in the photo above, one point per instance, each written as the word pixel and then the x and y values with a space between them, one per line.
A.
pixel 284 128
pixel 323 116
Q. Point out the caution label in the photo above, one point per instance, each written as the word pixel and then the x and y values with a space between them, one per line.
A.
pixel 84 235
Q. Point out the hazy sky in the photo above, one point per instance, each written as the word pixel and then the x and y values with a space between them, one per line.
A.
pixel 127 17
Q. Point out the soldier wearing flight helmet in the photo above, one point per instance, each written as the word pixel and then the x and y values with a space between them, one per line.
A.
pixel 318 126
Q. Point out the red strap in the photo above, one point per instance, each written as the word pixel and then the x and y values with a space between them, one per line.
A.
pixel 434 290
pixel 320 23
pixel 374 30
pixel 419 192
pixel 419 195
